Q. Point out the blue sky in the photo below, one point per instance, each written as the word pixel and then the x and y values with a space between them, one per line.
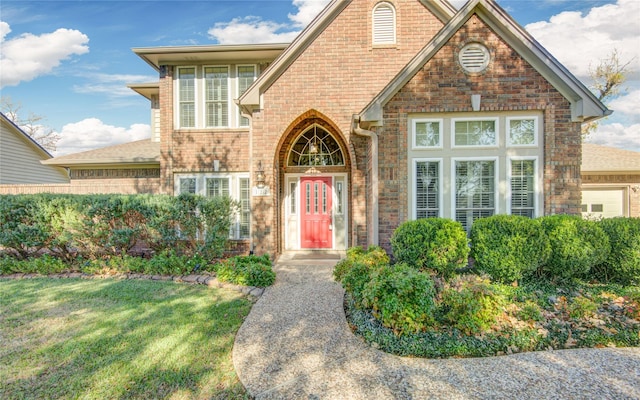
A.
pixel 70 61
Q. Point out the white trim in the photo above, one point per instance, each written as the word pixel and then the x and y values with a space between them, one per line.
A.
pixel 494 145
pixel 536 132
pixel 414 176
pixel 415 122
pixel 539 199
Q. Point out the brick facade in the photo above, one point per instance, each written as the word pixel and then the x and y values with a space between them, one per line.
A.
pixel 508 84
pixel 337 75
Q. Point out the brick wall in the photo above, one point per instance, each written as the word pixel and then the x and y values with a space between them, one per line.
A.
pixel 89 186
pixel 509 83
pixel 337 76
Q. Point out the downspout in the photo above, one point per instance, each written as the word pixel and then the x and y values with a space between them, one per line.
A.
pixel 356 129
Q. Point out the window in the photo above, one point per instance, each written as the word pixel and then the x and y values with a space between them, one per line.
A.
pixel 315 146
pixel 246 76
pixel 475 190
pixel 217 96
pixel 235 186
pixel 522 131
pixel 293 198
pixel 340 206
pixel 187 97
pixel 427 133
pixel 384 24
pixel 427 188
pixel 217 187
pixel 187 185
pixel 475 132
pixel 523 191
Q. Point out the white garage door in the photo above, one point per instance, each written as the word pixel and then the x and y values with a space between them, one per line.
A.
pixel 605 203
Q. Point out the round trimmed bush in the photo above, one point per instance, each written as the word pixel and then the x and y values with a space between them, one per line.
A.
pixel 357 277
pixel 576 246
pixel 402 298
pixel 373 256
pixel 623 264
pixel 508 247
pixel 437 244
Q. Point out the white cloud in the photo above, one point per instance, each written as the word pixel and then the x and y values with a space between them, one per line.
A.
pixel 112 85
pixel 628 104
pixel 254 29
pixel 251 30
pixel 307 11
pixel 579 41
pixel 28 56
pixel 91 134
pixel 617 135
pixel 458 3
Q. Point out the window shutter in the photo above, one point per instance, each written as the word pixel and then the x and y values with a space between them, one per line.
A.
pixel 384 24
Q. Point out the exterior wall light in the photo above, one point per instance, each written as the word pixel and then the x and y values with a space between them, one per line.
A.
pixel 260 178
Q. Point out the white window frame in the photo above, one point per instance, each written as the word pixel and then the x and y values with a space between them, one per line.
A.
pixel 414 127
pixel 178 108
pixel 239 93
pixel 378 39
pixel 414 191
pixel 494 145
pixel 535 131
pixel 234 192
pixel 537 207
pixel 229 101
pixel 496 183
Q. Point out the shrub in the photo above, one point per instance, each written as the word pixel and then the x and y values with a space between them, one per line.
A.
pixel 470 304
pixel 44 265
pixel 373 256
pixel 246 270
pixel 436 244
pixel 357 277
pixel 508 246
pixel 623 264
pixel 576 246
pixel 401 298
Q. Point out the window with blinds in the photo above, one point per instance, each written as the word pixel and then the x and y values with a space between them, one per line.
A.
pixel 245 208
pixel 475 186
pixel 427 189
pixel 217 187
pixel 523 193
pixel 216 96
pixel 246 76
pixel 384 24
pixel 187 97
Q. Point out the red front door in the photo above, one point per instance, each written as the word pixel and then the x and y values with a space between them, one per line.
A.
pixel 315 207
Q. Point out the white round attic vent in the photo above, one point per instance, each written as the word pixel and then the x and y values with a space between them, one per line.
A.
pixel 474 57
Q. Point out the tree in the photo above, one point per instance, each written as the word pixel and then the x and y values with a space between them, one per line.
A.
pixel 607 79
pixel 31 124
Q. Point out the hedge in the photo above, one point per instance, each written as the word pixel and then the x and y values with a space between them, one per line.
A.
pixel 92 226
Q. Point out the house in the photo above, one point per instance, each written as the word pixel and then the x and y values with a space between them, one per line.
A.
pixel 610 182
pixel 20 158
pixel 377 113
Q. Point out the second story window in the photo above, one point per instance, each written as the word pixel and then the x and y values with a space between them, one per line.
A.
pixel 187 96
pixel 246 76
pixel 217 96
pixel 384 24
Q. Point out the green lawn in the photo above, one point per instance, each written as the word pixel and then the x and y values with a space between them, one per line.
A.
pixel 105 339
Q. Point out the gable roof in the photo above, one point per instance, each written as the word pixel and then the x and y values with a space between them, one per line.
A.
pixel 584 105
pixel 24 136
pixel 140 152
pixel 598 158
pixel 251 97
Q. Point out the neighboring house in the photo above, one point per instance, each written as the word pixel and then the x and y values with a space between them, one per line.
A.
pixel 20 158
pixel 377 113
pixel 610 182
pixel 124 168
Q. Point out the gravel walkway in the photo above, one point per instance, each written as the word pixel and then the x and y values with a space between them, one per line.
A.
pixel 296 344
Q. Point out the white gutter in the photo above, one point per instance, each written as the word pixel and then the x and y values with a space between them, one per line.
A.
pixel 372 233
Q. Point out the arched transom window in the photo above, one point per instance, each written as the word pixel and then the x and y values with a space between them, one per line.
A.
pixel 315 146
